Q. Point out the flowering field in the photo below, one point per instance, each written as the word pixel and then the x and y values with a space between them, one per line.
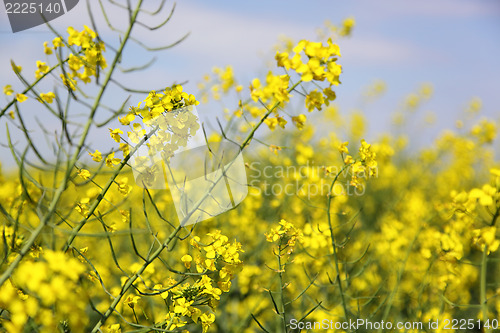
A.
pixel 325 231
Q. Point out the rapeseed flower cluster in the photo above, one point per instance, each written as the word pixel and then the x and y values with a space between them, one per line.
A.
pixel 85 61
pixel 48 291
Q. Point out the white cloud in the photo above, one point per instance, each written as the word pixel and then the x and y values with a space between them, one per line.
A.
pixel 223 37
pixel 445 9
pixel 220 36
pixel 370 50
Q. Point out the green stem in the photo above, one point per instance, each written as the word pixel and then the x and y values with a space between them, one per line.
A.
pixel 482 287
pixel 334 245
pixel 135 315
pixel 282 297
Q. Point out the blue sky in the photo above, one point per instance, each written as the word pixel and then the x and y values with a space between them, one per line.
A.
pixel 453 44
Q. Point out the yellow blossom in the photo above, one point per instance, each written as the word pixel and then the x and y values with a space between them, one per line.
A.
pixel 343 148
pixel 125 148
pixel 299 121
pixel 83 173
pixel 21 98
pixel 347 26
pixel 115 134
pixel 57 42
pixel 126 120
pixel 7 90
pixel 485 239
pixel 42 68
pixel 111 160
pixel 115 328
pixel 15 68
pixel 96 156
pixel 187 259
pixel 48 97
pixel 46 49
pixel 131 300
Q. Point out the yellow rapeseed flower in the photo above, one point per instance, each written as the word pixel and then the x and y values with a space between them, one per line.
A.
pixel 7 90
pixel 96 156
pixel 21 97
pixel 57 42
pixel 115 134
pixel 15 68
pixel 111 160
pixel 187 259
pixel 42 68
pixel 83 173
pixel 46 49
pixel 131 300
pixel 343 148
pixel 299 121
pixel 48 97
